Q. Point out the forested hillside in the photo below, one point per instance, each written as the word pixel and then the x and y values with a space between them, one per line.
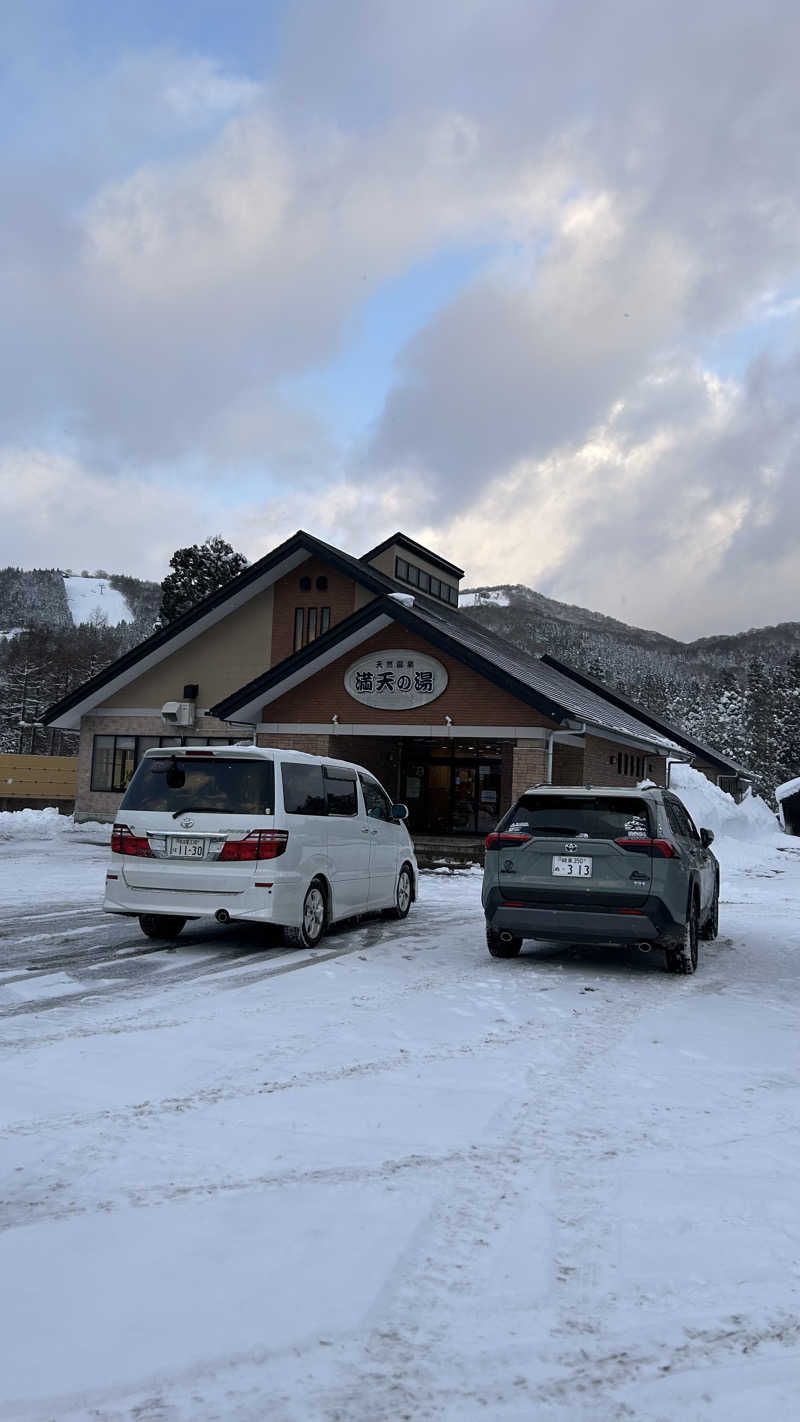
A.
pixel 740 693
pixel 43 654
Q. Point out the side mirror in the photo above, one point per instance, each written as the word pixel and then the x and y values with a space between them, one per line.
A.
pixel 707 837
pixel 399 812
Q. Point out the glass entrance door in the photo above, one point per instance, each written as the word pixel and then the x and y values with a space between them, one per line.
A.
pixel 452 789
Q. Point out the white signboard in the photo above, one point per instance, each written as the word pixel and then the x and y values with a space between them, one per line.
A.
pixel 395 680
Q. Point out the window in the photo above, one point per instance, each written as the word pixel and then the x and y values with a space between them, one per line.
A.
pixel 322 584
pixel 679 820
pixel 340 785
pixel 599 817
pixel 305 585
pixel 299 624
pixel 303 789
pixel 230 787
pixel 324 619
pixel 377 802
pixel 426 582
pixel 311 626
pixel 114 758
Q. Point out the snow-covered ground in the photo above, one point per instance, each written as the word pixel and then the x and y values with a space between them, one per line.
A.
pixel 483 595
pixel 90 597
pixel 396 1178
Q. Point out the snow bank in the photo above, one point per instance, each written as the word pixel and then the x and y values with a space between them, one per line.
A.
pixel 714 809
pixel 45 824
pixel 90 597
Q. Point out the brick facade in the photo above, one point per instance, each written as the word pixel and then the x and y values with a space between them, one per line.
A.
pixel 469 700
pixel 339 596
pixel 601 762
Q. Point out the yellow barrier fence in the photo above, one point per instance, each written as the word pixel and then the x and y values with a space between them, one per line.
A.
pixel 38 777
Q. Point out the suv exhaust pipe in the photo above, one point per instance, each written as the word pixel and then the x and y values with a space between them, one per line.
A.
pixel 645 947
pixel 505 936
pixel 222 916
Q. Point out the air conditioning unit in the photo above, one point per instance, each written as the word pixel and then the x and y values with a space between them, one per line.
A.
pixel 178 713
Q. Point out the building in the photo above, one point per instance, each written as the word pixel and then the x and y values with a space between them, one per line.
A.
pixel 368 659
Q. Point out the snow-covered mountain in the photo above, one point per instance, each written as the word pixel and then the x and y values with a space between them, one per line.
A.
pixel 90 598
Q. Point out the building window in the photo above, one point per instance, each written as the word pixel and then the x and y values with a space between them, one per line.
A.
pixel 426 582
pixel 114 758
pixel 305 585
pixel 311 628
pixel 322 584
pixel 324 619
pixel 299 624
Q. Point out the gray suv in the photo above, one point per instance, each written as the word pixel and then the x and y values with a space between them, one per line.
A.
pixel 602 866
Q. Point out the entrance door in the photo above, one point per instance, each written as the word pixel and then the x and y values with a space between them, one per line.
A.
pixel 452 788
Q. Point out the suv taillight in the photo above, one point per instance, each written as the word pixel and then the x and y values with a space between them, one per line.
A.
pixel 259 844
pixel 653 848
pixel 124 841
pixel 505 841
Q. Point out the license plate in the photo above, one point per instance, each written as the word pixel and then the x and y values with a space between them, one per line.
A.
pixel 572 866
pixel 186 848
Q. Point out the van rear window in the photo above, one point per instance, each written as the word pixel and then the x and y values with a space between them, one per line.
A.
pixel 227 787
pixel 599 817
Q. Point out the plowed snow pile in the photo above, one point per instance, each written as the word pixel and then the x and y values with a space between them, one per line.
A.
pixel 714 809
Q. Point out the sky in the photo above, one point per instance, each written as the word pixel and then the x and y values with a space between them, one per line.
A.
pixel 520 278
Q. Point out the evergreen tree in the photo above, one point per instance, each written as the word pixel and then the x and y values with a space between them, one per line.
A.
pixel 196 572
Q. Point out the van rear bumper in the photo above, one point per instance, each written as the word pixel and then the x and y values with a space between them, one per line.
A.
pixel 651 922
pixel 259 905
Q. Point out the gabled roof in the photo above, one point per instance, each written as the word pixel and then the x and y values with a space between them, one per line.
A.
pixel 411 547
pixel 722 762
pixel 260 575
pixel 521 674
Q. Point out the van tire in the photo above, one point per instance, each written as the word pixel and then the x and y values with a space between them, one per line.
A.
pixel 403 894
pixel 314 918
pixel 160 925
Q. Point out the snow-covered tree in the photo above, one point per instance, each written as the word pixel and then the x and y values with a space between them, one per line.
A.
pixel 196 572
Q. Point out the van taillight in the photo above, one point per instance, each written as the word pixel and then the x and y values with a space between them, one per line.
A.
pixel 124 841
pixel 653 848
pixel 259 844
pixel 505 841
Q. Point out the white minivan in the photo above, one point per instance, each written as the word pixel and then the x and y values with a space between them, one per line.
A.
pixel 257 834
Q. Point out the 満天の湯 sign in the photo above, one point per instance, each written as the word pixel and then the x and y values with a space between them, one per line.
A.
pixel 395 680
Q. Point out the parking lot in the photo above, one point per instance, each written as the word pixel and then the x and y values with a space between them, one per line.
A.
pixel 402 1179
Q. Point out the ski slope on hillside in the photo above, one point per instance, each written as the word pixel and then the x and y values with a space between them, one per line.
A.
pixel 90 597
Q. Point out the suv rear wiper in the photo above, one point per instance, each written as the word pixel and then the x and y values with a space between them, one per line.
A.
pixel 191 810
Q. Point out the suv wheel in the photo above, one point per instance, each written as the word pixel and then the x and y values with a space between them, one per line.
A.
pixel 683 957
pixel 498 948
pixel 313 922
pixel 710 928
pixel 160 925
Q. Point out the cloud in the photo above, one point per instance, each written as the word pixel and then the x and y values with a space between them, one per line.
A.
pixel 199 231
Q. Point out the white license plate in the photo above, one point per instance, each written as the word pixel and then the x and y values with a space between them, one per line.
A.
pixel 186 848
pixel 572 866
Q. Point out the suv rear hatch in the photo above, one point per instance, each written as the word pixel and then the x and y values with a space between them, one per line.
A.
pixel 576 850
pixel 197 821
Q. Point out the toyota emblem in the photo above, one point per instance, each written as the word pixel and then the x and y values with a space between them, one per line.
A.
pixel 187 824
pixel 569 846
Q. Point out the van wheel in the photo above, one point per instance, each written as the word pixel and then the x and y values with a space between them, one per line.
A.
pixel 498 948
pixel 160 925
pixel 683 958
pixel 404 893
pixel 313 921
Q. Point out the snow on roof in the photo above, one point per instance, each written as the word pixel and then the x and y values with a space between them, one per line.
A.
pixel 790 787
